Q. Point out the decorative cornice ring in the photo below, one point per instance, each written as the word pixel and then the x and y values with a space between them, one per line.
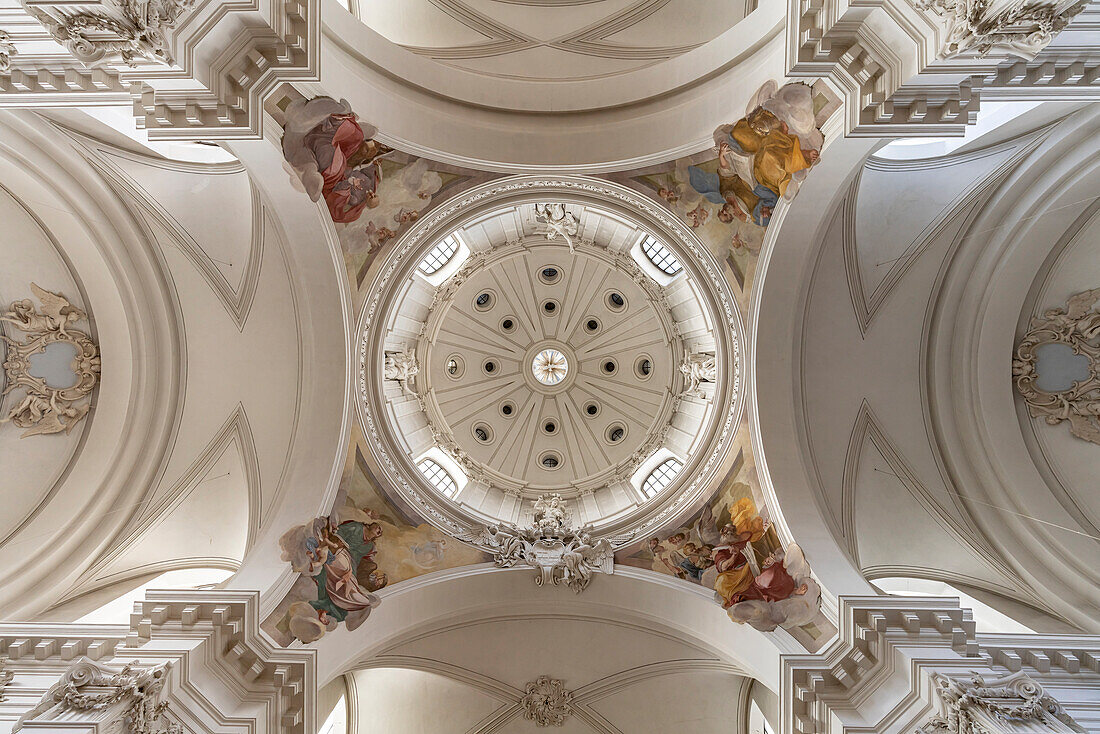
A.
pixel 728 399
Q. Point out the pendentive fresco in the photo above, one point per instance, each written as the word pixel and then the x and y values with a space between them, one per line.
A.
pixel 373 192
pixel 366 543
pixel 728 195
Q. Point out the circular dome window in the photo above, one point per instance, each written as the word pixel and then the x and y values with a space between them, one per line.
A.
pixel 550 367
pixel 484 301
pixel 483 433
pixel 454 367
pixel 550 274
pixel 550 460
pixel 616 301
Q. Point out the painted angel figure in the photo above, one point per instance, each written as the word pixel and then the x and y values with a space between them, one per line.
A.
pixel 697 369
pixel 401 366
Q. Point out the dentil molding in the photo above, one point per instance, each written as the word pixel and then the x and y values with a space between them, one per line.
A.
pixel 900 664
pixel 921 67
pixel 198 655
pixel 163 58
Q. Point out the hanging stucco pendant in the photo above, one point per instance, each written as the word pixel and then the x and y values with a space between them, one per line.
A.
pixel 561 554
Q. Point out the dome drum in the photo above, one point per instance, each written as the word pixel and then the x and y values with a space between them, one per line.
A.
pixel 595 347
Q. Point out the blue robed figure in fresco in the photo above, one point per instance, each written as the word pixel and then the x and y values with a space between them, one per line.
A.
pixel 348 573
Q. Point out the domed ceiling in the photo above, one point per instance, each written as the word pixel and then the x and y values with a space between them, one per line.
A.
pixel 525 355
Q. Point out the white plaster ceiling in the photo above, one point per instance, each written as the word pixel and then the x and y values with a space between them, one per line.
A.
pixel 919 452
pixel 551 40
pixel 552 418
pixel 470 677
pixel 639 420
pixel 186 450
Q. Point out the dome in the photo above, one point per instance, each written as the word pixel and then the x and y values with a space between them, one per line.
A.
pixel 557 350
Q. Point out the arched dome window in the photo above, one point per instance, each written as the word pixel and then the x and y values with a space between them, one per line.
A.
pixel 439 255
pixel 660 256
pixel 661 477
pixel 438 476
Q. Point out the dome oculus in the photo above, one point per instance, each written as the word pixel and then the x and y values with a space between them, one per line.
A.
pixel 550 366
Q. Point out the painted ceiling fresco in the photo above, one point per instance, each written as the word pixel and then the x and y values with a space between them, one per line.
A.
pixel 728 194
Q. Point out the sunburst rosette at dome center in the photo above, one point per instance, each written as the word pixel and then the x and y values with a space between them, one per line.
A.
pixel 530 362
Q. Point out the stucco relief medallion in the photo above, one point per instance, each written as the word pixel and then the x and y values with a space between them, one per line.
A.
pixel 44 408
pixel 546 702
pixel 1077 326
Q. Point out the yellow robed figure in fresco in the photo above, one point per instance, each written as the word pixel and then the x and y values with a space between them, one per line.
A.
pixel 776 152
pixel 757 157
pixel 735 577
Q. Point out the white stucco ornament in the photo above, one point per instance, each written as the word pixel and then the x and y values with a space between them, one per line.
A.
pixel 1076 325
pixel 6 677
pixel 697 369
pixel 557 222
pixel 402 367
pixel 989 26
pixel 561 554
pixel 546 702
pixel 41 408
pixel 126 699
pixel 1015 703
pixel 126 31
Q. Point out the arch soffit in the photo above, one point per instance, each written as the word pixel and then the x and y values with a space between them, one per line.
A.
pixel 136 321
pixel 480 595
pixel 779 300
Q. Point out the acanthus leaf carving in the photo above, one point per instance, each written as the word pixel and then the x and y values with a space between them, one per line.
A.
pixel 985 26
pixel 129 696
pixel 1014 698
pixel 562 554
pixel 6 677
pixel 546 702
pixel 1077 325
pixel 127 32
pixel 7 50
pixel 46 409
